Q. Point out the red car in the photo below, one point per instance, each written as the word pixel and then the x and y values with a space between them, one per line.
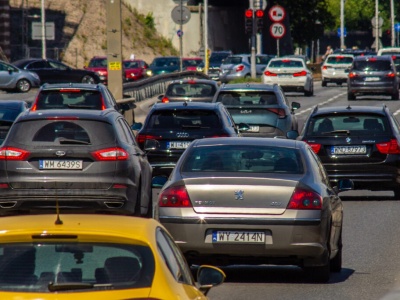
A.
pixel 191 63
pixel 98 64
pixel 135 69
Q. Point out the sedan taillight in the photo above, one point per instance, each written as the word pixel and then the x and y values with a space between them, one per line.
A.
pixel 391 147
pixel 141 138
pixel 11 153
pixel 314 146
pixel 305 199
pixel 110 154
pixel 175 196
pixel 268 73
pixel 240 68
pixel 353 75
pixel 391 75
pixel 300 74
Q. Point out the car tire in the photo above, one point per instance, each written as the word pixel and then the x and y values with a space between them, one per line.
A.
pixel 319 274
pixel 396 192
pixel 351 96
pixel 310 92
pixel 395 95
pixel 336 262
pixel 23 85
pixel 323 83
pixel 149 213
pixel 88 79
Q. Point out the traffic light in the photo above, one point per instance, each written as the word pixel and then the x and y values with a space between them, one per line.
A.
pixel 248 25
pixel 259 20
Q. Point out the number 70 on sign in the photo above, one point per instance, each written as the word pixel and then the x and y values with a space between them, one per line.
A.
pixel 277 30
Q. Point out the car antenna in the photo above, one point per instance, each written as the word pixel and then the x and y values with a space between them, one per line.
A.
pixel 58 220
pixel 185 103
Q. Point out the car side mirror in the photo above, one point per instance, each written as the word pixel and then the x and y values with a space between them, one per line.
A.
pixel 126 106
pixel 137 126
pixel 10 71
pixel 208 277
pixel 243 127
pixel 347 70
pixel 151 145
pixel 158 181
pixel 292 134
pixel 345 185
pixel 295 105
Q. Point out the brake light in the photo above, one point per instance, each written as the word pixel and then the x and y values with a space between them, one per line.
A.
pixel 69 90
pixel 4 186
pixel 11 153
pixel 103 106
pixel 391 75
pixel 353 75
pixel 391 147
pixel 314 146
pixel 305 199
pixel 279 111
pixel 175 196
pixel 191 81
pixel 285 60
pixel 372 59
pixel 268 73
pixel 240 68
pixel 299 74
pixel 324 68
pixel 164 100
pixel 110 154
pixel 219 135
pixel 141 138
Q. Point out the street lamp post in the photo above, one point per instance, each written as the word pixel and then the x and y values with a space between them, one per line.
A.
pixel 43 25
pixel 342 45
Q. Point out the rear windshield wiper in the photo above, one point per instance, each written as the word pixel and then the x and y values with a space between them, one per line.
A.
pixel 80 106
pixel 64 141
pixel 347 132
pixel 67 286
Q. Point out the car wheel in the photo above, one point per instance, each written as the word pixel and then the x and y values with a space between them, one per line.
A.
pixel 319 274
pixel 88 79
pixel 336 262
pixel 310 92
pixel 23 86
pixel 323 83
pixel 351 96
pixel 395 95
pixel 396 192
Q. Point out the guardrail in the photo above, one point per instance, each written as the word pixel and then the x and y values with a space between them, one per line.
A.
pixel 152 86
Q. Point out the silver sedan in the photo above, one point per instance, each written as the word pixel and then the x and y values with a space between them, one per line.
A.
pixel 13 78
pixel 254 201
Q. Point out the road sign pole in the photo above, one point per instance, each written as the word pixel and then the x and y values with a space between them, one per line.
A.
pixel 180 37
pixel 277 48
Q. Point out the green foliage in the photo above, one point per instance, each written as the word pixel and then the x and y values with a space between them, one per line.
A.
pixel 149 21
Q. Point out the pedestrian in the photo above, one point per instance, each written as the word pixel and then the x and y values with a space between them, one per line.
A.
pixel 328 51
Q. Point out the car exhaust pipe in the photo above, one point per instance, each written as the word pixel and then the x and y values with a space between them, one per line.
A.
pixel 114 204
pixel 8 204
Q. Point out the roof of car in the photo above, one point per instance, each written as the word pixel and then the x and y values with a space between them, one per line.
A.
pixel 68 113
pixel 322 110
pixel 247 86
pixel 186 105
pixel 194 81
pixel 57 86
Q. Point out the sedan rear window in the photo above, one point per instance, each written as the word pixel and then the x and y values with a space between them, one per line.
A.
pixel 186 119
pixel 362 125
pixel 193 90
pixel 285 63
pixel 246 159
pixel 52 267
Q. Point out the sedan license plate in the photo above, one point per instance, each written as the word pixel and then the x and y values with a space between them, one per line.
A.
pixel 60 164
pixel 238 237
pixel 178 145
pixel 254 129
pixel 372 79
pixel 285 76
pixel 348 150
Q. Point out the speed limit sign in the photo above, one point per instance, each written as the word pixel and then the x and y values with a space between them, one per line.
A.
pixel 277 30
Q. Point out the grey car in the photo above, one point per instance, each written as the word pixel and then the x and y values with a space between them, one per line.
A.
pixel 254 201
pixel 13 78
pixel 77 160
pixel 239 66
pixel 197 90
pixel 263 107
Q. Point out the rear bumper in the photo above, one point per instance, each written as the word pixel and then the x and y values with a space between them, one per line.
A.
pixel 376 89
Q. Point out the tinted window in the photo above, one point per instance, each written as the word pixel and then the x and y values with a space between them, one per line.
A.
pixel 194 90
pixel 98 62
pixel 59 132
pixel 31 267
pixel 246 159
pixel 285 63
pixel 191 62
pixel 131 64
pixel 168 119
pixel 262 60
pixel 165 62
pixel 339 60
pixel 72 98
pixel 247 98
pixel 218 57
pixel 235 60
pixel 357 124
pixel 372 65
pixel 38 65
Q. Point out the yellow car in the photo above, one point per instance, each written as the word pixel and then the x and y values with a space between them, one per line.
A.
pixel 95 257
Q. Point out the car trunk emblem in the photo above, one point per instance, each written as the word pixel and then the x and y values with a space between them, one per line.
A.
pixel 60 153
pixel 239 195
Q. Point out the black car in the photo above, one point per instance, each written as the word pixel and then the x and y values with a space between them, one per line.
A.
pixel 175 125
pixel 198 90
pixel 77 96
pixel 361 143
pixel 9 111
pixel 53 71
pixel 77 160
pixel 372 75
pixel 263 107
pixel 215 61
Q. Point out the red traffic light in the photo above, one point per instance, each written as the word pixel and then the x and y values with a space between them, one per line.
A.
pixel 248 13
pixel 259 13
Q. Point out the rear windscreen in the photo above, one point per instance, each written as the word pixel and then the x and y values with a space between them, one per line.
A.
pixel 339 60
pixel 193 90
pixel 69 98
pixel 285 63
pixel 237 98
pixel 372 65
pixel 234 60
pixel 175 119
pixel 78 132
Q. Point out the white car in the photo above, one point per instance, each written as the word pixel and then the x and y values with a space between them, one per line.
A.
pixel 291 74
pixel 333 68
pixel 389 51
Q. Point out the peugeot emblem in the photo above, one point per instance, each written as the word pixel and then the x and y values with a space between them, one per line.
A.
pixel 348 140
pixel 60 153
pixel 182 134
pixel 239 195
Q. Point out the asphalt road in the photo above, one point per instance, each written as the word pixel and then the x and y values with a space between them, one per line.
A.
pixel 371 234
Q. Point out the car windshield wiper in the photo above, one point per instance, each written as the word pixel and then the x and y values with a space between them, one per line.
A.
pixel 64 141
pixel 79 106
pixel 347 132
pixel 67 286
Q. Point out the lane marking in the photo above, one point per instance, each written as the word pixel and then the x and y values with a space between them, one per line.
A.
pixel 322 103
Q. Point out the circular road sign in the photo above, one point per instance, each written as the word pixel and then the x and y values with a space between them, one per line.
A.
pixel 180 14
pixel 276 13
pixel 179 33
pixel 277 30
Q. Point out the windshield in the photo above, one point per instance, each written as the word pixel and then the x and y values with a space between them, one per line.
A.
pixel 45 267
pixel 372 65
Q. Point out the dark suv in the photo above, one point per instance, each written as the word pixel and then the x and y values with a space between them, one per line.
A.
pixel 77 96
pixel 357 142
pixel 263 107
pixel 175 125
pixel 372 75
